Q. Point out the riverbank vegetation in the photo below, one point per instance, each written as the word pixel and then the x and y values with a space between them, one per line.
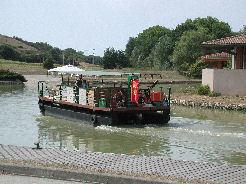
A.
pixel 6 75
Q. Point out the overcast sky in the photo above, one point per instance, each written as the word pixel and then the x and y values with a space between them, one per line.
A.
pixel 99 24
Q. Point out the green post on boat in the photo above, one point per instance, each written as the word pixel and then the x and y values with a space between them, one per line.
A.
pixel 102 102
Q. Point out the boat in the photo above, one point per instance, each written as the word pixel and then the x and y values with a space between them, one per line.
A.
pixel 101 103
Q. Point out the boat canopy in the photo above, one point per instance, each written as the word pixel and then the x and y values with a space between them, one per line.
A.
pixel 88 73
pixel 65 69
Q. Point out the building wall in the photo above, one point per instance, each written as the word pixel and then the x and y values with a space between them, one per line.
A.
pixel 225 81
pixel 241 58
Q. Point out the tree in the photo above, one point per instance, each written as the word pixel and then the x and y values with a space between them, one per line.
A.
pixel 114 58
pixel 162 52
pixel 243 30
pixel 130 47
pixel 139 49
pixel 109 58
pixel 187 50
pixel 48 63
pixel 212 26
pixel 56 55
pixel 7 52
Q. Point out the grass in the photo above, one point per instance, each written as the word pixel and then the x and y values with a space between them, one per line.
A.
pixel 22 67
pixel 5 40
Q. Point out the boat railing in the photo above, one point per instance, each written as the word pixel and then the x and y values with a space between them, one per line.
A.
pixel 108 97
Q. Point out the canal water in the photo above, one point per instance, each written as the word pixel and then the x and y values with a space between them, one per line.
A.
pixel 192 134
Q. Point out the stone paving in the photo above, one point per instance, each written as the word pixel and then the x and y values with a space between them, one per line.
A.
pixel 155 166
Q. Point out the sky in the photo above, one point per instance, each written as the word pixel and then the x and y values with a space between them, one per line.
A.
pixel 85 25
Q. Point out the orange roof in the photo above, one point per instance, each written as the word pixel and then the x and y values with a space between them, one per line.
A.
pixel 221 56
pixel 228 41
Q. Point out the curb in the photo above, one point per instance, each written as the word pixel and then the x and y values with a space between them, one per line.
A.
pixel 74 175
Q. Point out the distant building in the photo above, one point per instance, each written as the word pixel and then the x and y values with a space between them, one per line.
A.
pixel 225 81
pixel 218 60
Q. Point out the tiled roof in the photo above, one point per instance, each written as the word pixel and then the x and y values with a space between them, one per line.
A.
pixel 233 40
pixel 222 55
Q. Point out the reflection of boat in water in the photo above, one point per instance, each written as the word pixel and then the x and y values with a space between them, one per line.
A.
pixel 105 105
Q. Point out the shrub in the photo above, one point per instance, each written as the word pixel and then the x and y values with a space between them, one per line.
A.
pixel 7 75
pixel 203 90
pixel 214 94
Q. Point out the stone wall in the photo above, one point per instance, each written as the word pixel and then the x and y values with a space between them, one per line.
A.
pixel 209 105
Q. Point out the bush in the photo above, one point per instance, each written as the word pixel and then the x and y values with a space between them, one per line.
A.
pixel 7 75
pixel 48 63
pixel 203 90
pixel 214 94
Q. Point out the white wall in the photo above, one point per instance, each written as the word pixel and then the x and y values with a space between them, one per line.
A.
pixel 225 81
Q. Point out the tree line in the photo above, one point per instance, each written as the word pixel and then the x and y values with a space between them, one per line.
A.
pixel 46 54
pixel 179 49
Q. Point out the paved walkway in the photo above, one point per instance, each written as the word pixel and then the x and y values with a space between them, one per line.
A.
pixel 134 165
pixel 8 179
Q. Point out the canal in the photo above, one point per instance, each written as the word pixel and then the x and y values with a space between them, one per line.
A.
pixel 192 134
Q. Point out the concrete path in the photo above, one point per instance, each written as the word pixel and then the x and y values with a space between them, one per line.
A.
pixel 12 179
pixel 153 168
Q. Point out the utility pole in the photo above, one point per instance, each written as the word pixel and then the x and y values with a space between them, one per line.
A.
pixel 63 58
pixel 93 56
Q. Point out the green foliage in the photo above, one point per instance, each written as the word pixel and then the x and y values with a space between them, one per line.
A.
pixel 7 75
pixel 161 53
pixel 214 94
pixel 7 52
pixel 187 50
pixel 44 50
pixel 130 46
pixel 114 59
pixel 203 90
pixel 48 63
pixel 160 48
pixel 195 70
pixel 138 49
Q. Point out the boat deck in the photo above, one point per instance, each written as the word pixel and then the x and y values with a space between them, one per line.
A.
pixel 135 165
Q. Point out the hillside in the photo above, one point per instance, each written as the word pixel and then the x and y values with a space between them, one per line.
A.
pixel 17 49
pixel 17 45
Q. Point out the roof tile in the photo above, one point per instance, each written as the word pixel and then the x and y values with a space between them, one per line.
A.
pixel 233 40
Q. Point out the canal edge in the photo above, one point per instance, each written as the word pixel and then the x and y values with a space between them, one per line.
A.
pixel 75 175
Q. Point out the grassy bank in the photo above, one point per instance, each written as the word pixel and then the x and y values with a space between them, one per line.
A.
pixel 22 67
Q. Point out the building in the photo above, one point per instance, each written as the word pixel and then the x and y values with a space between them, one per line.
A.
pixel 228 81
pixel 218 60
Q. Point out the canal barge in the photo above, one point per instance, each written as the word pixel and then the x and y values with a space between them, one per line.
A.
pixel 103 104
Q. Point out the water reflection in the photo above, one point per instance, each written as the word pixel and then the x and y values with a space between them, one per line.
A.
pixel 65 134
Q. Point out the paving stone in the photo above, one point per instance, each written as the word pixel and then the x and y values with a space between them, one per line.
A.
pixel 135 164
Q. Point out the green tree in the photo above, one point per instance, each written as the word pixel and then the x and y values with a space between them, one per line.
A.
pixel 130 46
pixel 109 58
pixel 139 49
pixel 162 52
pixel 7 52
pixel 114 59
pixel 187 50
pixel 122 60
pixel 212 26
pixel 56 55
pixel 48 63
